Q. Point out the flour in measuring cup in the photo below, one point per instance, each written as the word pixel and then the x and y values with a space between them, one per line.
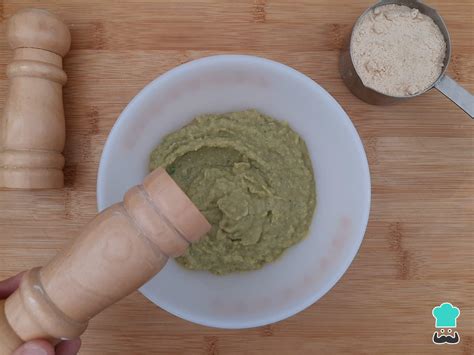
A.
pixel 397 50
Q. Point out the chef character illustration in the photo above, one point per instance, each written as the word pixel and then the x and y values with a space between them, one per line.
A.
pixel 446 315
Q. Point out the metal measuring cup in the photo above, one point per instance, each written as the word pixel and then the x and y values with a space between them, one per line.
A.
pixel 444 83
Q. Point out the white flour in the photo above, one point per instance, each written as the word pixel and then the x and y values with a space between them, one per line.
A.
pixel 397 50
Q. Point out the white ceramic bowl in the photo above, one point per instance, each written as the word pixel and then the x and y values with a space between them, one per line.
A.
pixel 307 270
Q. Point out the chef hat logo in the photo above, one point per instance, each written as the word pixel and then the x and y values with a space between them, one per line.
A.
pixel 446 315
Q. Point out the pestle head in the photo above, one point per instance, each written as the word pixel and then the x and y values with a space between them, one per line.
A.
pixel 35 28
pixel 175 205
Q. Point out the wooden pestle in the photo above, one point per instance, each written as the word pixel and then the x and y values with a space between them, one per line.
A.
pixel 33 131
pixel 116 253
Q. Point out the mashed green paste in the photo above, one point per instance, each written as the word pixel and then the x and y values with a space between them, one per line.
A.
pixel 251 176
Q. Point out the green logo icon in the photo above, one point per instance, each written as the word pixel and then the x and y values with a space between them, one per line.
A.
pixel 446 315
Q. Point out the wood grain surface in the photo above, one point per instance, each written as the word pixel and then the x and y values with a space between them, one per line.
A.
pixel 419 248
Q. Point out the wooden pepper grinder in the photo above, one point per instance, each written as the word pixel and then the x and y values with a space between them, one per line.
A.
pixel 33 131
pixel 116 253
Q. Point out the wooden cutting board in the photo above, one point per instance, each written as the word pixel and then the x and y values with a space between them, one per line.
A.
pixel 419 248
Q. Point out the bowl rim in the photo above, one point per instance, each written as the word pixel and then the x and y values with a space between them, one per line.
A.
pixel 360 233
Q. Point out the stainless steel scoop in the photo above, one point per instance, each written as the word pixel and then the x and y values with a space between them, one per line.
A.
pixel 444 83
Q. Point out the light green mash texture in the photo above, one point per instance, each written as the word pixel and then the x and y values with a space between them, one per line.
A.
pixel 251 176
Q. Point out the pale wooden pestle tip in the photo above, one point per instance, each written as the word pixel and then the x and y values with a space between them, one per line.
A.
pixel 176 205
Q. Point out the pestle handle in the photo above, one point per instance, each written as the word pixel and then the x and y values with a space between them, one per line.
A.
pixel 33 132
pixel 117 252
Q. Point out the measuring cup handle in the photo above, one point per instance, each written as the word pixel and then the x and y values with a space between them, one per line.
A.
pixel 457 94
